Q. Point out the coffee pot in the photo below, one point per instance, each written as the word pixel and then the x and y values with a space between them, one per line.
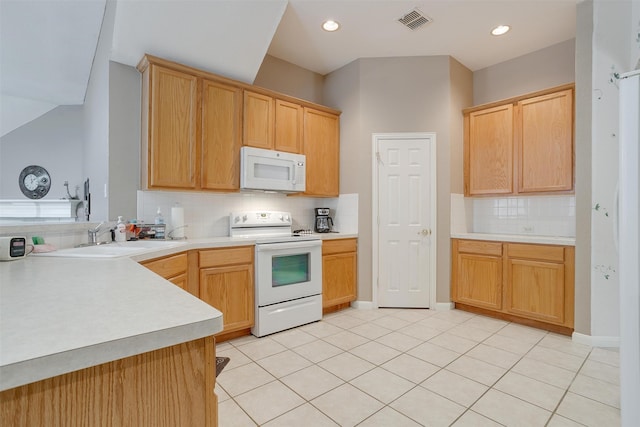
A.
pixel 323 221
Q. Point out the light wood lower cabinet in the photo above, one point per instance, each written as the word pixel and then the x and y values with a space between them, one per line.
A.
pixel 172 386
pixel 477 273
pixel 176 269
pixel 339 272
pixel 226 283
pixel 515 280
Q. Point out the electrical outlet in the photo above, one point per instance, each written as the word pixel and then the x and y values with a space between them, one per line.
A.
pixel 527 228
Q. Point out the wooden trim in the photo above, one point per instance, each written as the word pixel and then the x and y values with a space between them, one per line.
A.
pixel 569 285
pixel 338 246
pixel 334 308
pixel 226 336
pixel 466 148
pixel 481 247
pixel 518 98
pixel 224 257
pixel 150 59
pixel 515 319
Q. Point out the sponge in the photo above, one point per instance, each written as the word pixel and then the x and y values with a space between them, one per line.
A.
pixel 37 240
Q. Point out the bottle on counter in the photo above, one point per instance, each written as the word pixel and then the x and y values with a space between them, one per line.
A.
pixel 159 218
pixel 121 230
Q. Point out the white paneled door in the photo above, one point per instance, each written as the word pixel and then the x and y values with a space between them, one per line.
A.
pixel 405 219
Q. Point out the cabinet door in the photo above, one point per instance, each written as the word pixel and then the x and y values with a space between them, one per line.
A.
pixel 488 159
pixel 288 127
pixel 258 120
pixel 221 140
pixel 478 280
pixel 545 142
pixel 339 282
pixel 181 280
pixel 172 129
pixel 230 290
pixel 536 289
pixel 322 148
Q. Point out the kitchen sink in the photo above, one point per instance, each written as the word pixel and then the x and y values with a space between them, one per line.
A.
pixel 113 250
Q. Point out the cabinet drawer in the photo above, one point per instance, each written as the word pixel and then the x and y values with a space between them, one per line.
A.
pixel 480 247
pixel 538 252
pixel 226 256
pixel 168 267
pixel 339 246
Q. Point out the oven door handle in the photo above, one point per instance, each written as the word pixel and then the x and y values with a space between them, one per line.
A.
pixel 265 247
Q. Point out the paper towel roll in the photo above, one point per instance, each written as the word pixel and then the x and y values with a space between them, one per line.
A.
pixel 177 222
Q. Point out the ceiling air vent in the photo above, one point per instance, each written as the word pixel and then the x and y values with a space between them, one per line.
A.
pixel 414 19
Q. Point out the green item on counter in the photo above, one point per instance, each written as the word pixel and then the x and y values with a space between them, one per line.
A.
pixel 37 240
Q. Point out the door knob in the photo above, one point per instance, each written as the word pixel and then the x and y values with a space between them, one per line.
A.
pixel 424 232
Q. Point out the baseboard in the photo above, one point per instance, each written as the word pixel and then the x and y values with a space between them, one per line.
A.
pixel 362 305
pixel 443 306
pixel 595 341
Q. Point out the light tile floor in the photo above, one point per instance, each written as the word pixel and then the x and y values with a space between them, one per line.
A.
pixel 393 367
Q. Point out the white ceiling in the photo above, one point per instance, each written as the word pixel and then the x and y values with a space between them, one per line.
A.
pixel 48 46
pixel 460 28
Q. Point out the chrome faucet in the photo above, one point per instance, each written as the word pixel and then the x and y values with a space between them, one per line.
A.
pixel 93 234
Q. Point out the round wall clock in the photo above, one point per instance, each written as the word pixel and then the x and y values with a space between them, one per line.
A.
pixel 34 182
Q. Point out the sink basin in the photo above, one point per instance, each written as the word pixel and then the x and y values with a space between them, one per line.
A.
pixel 113 250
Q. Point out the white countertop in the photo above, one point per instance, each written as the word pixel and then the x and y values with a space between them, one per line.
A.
pixel 517 238
pixel 61 314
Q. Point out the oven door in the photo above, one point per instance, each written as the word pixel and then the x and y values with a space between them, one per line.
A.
pixel 287 271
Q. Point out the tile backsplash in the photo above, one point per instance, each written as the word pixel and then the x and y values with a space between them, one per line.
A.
pixel 207 215
pixel 536 215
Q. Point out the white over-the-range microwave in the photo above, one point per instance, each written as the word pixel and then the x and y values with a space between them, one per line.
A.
pixel 269 170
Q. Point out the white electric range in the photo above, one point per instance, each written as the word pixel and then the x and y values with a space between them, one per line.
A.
pixel 288 270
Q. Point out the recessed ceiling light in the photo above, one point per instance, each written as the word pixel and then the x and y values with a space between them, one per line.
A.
pixel 500 30
pixel 330 25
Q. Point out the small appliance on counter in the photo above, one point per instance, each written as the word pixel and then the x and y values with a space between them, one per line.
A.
pixel 13 248
pixel 323 221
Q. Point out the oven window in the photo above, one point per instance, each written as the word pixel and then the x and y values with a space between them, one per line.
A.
pixel 289 269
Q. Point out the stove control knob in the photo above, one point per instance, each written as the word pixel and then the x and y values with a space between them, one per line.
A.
pixel 281 218
pixel 244 218
pixel 236 219
pixel 286 218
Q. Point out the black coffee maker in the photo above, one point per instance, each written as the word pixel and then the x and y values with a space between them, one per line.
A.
pixel 323 221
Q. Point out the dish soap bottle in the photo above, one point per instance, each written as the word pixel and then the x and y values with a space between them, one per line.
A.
pixel 159 221
pixel 121 230
pixel 159 218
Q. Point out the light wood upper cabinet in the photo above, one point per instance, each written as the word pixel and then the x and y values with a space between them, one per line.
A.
pixel 272 123
pixel 171 128
pixel 339 272
pixel 322 149
pixel 288 126
pixel 191 129
pixel 221 136
pixel 194 124
pixel 258 123
pixel 545 143
pixel 520 145
pixel 489 155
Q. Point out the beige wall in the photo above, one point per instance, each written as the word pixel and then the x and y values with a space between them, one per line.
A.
pixel 407 94
pixel 542 69
pixel 583 59
pixel 287 78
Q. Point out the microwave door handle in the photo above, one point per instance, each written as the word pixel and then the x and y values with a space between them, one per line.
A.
pixel 293 173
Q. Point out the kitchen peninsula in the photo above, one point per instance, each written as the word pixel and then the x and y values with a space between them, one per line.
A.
pixel 94 340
